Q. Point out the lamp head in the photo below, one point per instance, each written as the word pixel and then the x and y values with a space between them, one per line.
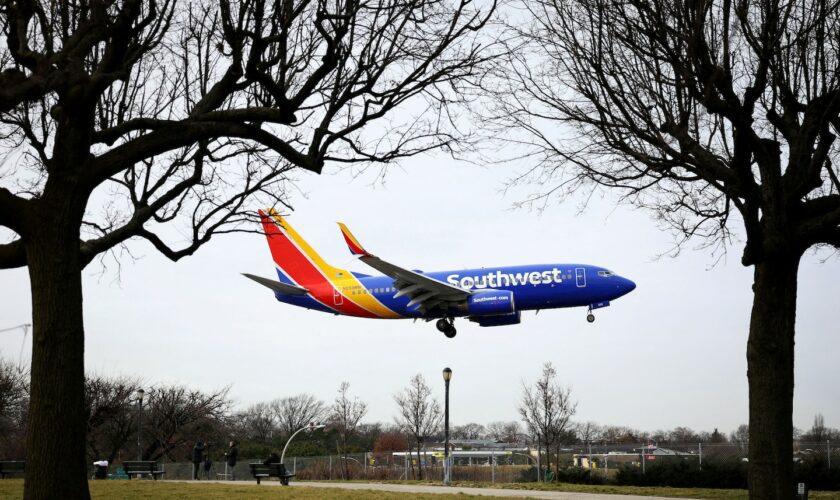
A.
pixel 447 374
pixel 316 425
pixel 140 393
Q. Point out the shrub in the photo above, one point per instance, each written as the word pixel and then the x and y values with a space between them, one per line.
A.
pixel 682 473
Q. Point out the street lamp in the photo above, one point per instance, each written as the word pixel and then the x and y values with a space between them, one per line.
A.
pixel 311 427
pixel 140 393
pixel 447 376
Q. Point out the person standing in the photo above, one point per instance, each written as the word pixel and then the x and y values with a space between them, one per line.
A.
pixel 197 457
pixel 230 458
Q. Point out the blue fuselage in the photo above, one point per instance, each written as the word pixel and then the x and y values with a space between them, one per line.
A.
pixel 533 287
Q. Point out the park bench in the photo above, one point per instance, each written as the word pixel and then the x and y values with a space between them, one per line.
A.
pixel 9 468
pixel 261 470
pixel 139 468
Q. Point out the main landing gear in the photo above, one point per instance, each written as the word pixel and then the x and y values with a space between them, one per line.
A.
pixel 447 326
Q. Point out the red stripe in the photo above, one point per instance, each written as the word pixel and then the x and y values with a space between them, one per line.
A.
pixel 357 250
pixel 294 263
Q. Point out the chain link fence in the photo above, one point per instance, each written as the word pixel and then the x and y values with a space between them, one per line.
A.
pixel 700 465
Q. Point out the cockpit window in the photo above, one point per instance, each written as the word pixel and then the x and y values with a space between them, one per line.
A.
pixel 606 274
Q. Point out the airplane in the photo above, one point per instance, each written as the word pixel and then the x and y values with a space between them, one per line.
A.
pixel 492 296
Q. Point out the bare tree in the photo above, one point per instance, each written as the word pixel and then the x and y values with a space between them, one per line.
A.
pixel 546 408
pixel 14 402
pixel 111 416
pixel 741 437
pixel 258 422
pixel 344 416
pixel 819 432
pixel 683 435
pixel 298 411
pixel 588 432
pixel 175 417
pixel 715 114
pixel 620 434
pixel 419 414
pixel 504 432
pixel 471 430
pixel 121 116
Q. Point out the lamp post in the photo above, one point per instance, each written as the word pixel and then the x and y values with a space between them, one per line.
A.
pixel 140 393
pixel 311 427
pixel 447 376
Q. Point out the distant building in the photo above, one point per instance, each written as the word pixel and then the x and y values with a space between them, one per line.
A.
pixel 613 459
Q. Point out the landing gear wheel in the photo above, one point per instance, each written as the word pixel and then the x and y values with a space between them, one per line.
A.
pixel 447 326
pixel 590 318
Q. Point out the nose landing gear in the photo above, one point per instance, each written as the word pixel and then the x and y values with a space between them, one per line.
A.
pixel 447 326
pixel 590 317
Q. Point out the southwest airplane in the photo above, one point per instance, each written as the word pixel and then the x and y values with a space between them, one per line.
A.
pixel 488 296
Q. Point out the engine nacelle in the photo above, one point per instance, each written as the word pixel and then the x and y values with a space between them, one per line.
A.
pixel 498 320
pixel 490 303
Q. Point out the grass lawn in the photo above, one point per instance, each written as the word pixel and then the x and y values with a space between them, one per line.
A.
pixel 130 490
pixel 159 490
pixel 659 491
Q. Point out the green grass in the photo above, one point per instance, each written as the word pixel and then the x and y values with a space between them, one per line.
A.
pixel 160 490
pixel 655 491
pixel 131 490
pixel 658 491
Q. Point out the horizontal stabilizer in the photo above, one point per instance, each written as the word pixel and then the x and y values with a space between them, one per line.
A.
pixel 277 286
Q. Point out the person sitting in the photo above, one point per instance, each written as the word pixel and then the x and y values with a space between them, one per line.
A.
pixel 272 459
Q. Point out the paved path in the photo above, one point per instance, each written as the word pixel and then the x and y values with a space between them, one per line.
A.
pixel 490 492
pixel 429 489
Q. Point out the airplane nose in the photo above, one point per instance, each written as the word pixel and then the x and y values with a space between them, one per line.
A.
pixel 627 285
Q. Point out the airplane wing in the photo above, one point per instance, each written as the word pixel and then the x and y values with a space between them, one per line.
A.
pixel 277 286
pixel 425 292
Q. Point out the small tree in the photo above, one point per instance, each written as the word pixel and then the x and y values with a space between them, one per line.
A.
pixel 419 414
pixel 345 415
pixel 741 437
pixel 546 408
pixel 258 422
pixel 819 433
pixel 111 415
pixel 175 417
pixel 469 431
pixel 14 403
pixel 588 432
pixel 298 411
pixel 683 435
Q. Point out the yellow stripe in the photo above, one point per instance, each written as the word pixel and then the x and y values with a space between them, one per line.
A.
pixel 341 279
pixel 349 235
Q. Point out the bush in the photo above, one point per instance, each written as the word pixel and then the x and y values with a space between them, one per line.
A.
pixel 685 474
pixel 579 475
pixel 576 475
pixel 813 470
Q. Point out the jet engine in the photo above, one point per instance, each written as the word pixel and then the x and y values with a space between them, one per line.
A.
pixel 490 303
pixel 498 320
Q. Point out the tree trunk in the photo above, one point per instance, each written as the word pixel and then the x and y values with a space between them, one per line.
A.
pixel 56 465
pixel 770 375
pixel 419 462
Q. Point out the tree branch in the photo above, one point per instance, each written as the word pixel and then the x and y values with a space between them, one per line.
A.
pixel 12 255
pixel 12 208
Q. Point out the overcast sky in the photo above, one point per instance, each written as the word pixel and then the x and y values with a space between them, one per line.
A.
pixel 672 353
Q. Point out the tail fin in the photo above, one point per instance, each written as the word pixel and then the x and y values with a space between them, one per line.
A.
pixel 293 255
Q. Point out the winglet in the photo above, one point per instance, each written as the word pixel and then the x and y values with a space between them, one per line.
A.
pixel 354 245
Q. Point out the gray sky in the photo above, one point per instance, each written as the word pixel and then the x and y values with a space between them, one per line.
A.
pixel 672 353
